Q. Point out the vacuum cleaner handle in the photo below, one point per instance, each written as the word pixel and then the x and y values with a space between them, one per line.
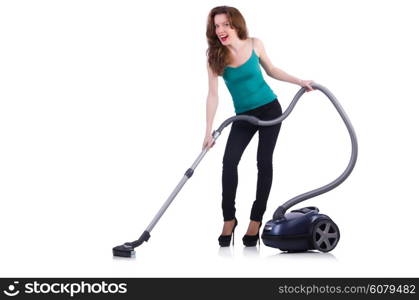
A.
pixel 280 211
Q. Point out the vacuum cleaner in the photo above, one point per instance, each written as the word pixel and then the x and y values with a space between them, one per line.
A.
pixel 299 230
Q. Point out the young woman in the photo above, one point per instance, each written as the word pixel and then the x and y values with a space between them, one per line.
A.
pixel 237 58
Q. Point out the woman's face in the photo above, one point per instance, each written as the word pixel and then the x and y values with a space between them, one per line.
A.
pixel 223 29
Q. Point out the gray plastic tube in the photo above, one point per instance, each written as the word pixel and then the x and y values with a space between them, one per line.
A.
pixel 280 211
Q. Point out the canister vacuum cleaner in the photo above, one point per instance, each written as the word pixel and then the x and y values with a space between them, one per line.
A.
pixel 298 230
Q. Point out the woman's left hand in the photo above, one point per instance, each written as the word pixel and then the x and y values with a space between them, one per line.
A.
pixel 307 85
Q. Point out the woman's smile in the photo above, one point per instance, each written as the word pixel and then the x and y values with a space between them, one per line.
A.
pixel 224 37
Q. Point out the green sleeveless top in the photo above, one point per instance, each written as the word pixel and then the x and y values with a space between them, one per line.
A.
pixel 247 86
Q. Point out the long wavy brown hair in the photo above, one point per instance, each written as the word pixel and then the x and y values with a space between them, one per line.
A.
pixel 217 53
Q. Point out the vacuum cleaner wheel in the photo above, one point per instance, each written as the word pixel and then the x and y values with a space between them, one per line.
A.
pixel 325 235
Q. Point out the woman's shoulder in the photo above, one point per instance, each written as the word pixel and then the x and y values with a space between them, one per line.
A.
pixel 257 45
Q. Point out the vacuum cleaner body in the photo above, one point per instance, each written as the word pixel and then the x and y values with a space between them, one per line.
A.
pixel 301 230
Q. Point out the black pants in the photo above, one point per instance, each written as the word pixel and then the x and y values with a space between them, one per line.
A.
pixel 240 135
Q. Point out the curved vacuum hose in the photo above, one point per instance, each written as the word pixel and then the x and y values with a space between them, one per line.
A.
pixel 280 211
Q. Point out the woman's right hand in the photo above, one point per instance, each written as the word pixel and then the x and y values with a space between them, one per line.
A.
pixel 208 141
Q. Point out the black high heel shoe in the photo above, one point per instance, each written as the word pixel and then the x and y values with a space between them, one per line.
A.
pixel 252 240
pixel 224 240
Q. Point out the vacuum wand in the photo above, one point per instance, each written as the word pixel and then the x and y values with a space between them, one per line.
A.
pixel 127 249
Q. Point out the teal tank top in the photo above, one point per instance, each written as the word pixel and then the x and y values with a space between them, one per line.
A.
pixel 247 86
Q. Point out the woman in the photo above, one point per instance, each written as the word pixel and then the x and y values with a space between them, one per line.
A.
pixel 236 57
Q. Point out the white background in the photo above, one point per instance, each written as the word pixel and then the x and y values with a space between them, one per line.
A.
pixel 102 109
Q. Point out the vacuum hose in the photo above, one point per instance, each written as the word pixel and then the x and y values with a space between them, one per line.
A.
pixel 280 211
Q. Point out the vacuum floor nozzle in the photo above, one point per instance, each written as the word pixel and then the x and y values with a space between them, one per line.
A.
pixel 127 249
pixel 124 250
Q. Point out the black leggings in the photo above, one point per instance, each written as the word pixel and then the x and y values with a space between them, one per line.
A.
pixel 240 135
